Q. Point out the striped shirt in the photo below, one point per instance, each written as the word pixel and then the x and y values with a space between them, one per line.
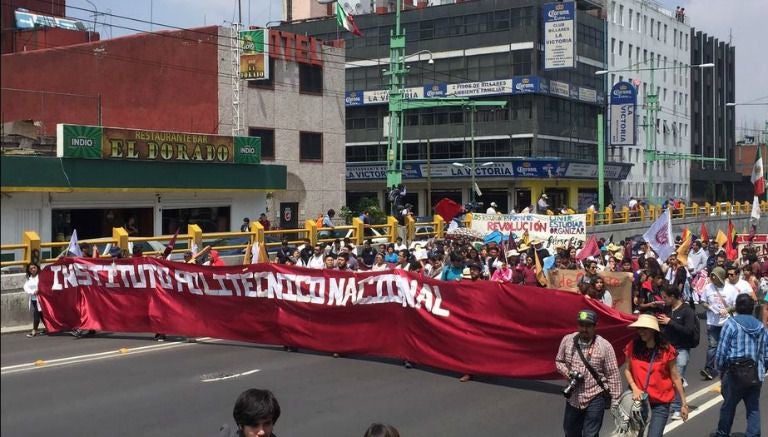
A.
pixel 743 336
pixel 601 356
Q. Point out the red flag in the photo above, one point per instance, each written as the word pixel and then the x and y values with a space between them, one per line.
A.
pixel 730 252
pixel 171 245
pixel 703 234
pixel 590 249
pixel 447 209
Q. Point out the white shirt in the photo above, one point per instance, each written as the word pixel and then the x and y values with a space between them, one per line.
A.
pixel 711 297
pixel 316 262
pixel 30 287
pixel 490 210
pixel 632 203
pixel 740 287
pixel 380 267
pixel 697 260
pixel 399 247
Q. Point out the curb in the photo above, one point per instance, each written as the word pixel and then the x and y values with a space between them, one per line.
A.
pixel 15 329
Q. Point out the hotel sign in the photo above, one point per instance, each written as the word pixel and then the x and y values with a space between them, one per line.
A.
pixel 97 142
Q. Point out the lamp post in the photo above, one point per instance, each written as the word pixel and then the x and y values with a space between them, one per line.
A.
pixel 472 169
pixel 651 102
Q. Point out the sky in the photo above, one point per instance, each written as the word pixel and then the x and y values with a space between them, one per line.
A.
pixel 742 19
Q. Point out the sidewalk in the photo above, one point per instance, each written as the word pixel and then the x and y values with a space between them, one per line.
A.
pixel 15 329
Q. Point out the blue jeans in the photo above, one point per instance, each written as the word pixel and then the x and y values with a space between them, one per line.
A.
pixel 658 420
pixel 713 338
pixel 683 356
pixel 732 395
pixel 586 422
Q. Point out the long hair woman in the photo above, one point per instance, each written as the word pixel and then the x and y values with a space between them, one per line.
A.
pixel 652 374
pixel 30 287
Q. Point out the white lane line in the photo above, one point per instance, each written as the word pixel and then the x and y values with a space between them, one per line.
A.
pixel 98 356
pixel 236 375
pixel 701 408
pixel 712 388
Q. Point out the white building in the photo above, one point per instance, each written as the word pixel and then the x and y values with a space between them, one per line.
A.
pixel 642 34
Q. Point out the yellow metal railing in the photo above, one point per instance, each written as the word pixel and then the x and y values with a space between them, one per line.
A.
pixel 31 248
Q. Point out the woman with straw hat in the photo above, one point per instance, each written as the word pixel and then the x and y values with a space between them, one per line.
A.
pixel 652 374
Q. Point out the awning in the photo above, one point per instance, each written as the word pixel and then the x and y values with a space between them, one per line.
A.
pixel 34 174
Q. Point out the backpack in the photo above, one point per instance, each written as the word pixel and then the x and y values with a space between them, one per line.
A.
pixel 696 332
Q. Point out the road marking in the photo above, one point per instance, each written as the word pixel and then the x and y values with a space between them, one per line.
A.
pixel 40 364
pixel 712 388
pixel 702 408
pixel 236 375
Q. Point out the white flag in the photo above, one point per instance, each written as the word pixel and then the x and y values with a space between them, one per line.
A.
pixel 255 253
pixel 756 209
pixel 659 237
pixel 74 247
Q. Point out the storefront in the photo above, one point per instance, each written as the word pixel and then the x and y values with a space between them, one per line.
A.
pixel 512 184
pixel 108 184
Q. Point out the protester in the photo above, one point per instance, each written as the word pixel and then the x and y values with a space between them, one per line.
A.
pixel 542 205
pixel 264 222
pixel 330 262
pixel 30 287
pixel 679 327
pixel 598 291
pixel 502 274
pixel 454 270
pixel 327 223
pixel 245 227
pixel 651 372
pixel 492 208
pixel 718 301
pixel 587 359
pixel 379 264
pixel 736 285
pixel 256 412
pixel 317 260
pixel 381 430
pixel 742 359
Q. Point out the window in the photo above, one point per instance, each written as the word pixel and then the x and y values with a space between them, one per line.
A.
pixel 621 48
pixel 310 146
pixel 613 11
pixel 665 33
pixel 658 30
pixel 267 141
pixel 613 45
pixel 621 15
pixel 630 19
pixel 652 21
pixel 637 20
pixel 310 79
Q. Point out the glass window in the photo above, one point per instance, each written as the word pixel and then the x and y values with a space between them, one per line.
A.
pixel 310 146
pixel 267 141
pixel 268 84
pixel 310 79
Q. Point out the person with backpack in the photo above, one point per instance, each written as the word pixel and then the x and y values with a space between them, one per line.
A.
pixel 741 359
pixel 680 327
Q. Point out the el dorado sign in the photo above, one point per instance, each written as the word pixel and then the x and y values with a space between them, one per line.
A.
pixel 97 142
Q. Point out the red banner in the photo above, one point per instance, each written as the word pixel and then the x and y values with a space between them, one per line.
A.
pixel 470 327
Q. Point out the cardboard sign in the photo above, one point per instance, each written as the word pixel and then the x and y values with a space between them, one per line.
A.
pixel 619 284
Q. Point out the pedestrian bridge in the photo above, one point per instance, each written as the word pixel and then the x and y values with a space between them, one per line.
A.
pixel 619 224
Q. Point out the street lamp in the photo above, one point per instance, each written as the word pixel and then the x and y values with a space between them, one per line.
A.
pixel 651 107
pixel 472 169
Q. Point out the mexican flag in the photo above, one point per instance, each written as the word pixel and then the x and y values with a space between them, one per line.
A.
pixel 346 21
pixel 758 178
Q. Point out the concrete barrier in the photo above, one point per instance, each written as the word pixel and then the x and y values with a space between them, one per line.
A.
pixel 14 301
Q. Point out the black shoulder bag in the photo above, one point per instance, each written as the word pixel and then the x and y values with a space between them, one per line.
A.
pixel 606 394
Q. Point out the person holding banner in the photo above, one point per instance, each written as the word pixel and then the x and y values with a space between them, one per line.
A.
pixel 718 301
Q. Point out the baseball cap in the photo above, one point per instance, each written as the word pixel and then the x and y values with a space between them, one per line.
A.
pixel 587 316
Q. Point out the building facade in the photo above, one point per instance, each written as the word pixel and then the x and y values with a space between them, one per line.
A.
pixel 543 141
pixel 649 46
pixel 180 82
pixel 713 123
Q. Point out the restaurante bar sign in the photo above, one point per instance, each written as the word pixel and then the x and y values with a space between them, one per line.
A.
pixel 97 142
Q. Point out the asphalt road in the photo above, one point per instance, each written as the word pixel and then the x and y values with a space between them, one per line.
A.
pixel 90 387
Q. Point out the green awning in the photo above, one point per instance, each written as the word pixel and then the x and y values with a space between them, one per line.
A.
pixel 34 173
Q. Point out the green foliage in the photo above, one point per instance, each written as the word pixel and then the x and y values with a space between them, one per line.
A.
pixel 378 216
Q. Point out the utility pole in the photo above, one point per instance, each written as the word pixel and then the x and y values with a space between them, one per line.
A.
pixel 398 104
